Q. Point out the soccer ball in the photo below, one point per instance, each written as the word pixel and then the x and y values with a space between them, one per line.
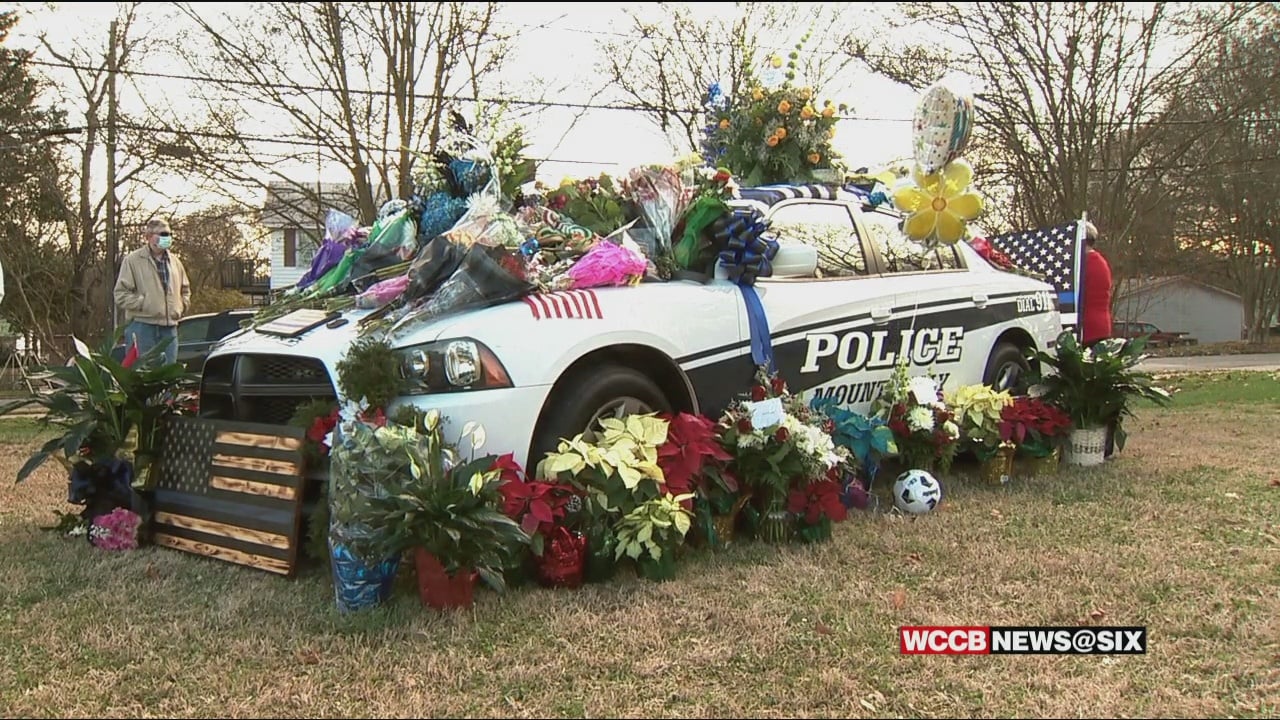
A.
pixel 916 492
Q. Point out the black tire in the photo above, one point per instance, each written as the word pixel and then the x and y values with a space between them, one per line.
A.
pixel 585 397
pixel 1007 368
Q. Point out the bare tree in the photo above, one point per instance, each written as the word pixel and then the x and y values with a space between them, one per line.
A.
pixel 1072 105
pixel 362 86
pixel 1231 207
pixel 667 55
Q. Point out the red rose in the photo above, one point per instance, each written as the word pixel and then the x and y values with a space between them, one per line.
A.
pixel 782 435
pixel 744 425
pixel 779 386
pixel 829 427
pixel 721 176
pixel 758 393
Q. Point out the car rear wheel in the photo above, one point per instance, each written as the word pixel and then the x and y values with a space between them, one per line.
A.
pixel 608 391
pixel 1006 368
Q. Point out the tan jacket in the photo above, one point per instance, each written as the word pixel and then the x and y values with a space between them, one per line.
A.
pixel 139 292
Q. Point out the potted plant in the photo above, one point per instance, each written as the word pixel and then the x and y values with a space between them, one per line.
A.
pixel 651 532
pixel 816 505
pixel 615 473
pixel 1038 430
pixel 777 443
pixel 111 416
pixel 1096 386
pixel 692 460
pixel 448 514
pixel 540 507
pixel 977 411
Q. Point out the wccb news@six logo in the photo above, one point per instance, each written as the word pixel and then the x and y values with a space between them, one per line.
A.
pixel 989 640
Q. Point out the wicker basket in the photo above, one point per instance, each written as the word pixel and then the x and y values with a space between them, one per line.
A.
pixel 1087 446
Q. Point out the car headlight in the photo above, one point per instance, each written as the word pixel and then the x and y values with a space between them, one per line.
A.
pixel 451 365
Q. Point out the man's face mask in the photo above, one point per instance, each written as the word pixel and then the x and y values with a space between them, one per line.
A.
pixel 164 241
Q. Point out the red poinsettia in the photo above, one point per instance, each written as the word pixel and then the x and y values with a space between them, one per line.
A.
pixel 1028 418
pixel 816 500
pixel 320 429
pixel 374 417
pixel 691 442
pixel 537 505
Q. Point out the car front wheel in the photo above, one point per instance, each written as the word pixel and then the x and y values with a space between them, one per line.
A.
pixel 1007 368
pixel 580 403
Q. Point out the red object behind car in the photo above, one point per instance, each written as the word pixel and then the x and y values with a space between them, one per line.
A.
pixel 1155 336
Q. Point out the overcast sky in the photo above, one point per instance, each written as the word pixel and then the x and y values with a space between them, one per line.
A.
pixel 601 140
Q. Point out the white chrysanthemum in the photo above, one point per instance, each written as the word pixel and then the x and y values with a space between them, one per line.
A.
pixel 746 440
pixel 920 419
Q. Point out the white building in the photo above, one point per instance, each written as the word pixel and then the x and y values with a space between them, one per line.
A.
pixel 295 219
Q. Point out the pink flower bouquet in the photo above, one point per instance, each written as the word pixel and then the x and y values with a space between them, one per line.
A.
pixel 117 530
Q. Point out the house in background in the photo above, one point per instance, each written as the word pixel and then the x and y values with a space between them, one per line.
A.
pixel 1181 304
pixel 296 224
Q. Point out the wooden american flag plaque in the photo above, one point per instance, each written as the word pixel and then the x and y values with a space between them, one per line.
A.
pixel 231 491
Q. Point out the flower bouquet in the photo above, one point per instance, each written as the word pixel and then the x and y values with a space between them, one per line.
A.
pixel 923 428
pixel 778 444
pixel 817 504
pixel 117 530
pixel 868 439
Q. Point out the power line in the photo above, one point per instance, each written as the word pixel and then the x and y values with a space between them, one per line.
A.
pixel 633 107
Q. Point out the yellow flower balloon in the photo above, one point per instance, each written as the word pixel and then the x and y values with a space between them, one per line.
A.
pixel 939 205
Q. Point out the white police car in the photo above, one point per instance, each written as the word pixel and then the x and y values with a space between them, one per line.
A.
pixel 848 297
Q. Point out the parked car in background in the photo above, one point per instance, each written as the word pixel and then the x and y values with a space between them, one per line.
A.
pixel 1155 336
pixel 198 334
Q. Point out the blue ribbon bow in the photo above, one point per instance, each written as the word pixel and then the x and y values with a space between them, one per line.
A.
pixel 748 255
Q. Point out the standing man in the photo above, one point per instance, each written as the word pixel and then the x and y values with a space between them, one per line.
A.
pixel 154 291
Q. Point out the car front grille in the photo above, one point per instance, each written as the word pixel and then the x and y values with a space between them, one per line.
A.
pixel 261 388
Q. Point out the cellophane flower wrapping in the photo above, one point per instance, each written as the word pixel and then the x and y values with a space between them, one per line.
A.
pixel 382 293
pixel 484 276
pixel 608 264
pixel 659 194
pixel 563 559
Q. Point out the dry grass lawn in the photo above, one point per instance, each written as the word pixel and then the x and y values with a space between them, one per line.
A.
pixel 1181 534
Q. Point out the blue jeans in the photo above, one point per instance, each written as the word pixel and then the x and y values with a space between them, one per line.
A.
pixel 148 336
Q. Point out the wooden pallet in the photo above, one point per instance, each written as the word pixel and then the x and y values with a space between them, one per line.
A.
pixel 231 491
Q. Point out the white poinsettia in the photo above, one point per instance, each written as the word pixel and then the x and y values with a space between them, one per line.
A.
pixel 951 429
pixel 920 419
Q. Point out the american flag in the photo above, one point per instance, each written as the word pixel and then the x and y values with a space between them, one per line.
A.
pixel 230 490
pixel 1054 253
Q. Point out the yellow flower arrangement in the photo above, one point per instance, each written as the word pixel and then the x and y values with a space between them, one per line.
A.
pixel 806 112
pixel 780 133
pixel 772 141
pixel 814 158
pixel 724 124
pixel 939 204
pixel 757 94
pixel 784 107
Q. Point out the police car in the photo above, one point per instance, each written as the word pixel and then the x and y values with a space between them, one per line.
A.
pixel 848 297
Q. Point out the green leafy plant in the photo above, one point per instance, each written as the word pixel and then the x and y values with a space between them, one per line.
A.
pixel 370 370
pixel 434 501
pixel 513 168
pixel 107 409
pixel 653 529
pixel 1095 385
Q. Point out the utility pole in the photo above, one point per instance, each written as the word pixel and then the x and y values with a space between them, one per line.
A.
pixel 113 241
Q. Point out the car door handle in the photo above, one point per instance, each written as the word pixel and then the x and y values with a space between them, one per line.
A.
pixel 980 299
pixel 880 315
